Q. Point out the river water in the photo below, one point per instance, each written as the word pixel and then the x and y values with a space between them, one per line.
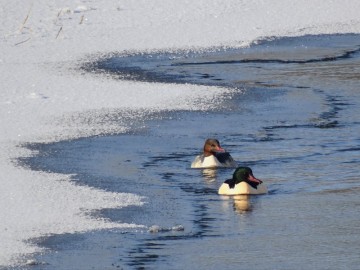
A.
pixel 293 117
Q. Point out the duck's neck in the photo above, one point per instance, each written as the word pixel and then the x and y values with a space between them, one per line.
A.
pixel 208 154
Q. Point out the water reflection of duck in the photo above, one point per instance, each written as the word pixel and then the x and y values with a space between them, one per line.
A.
pixel 242 203
pixel 243 182
pixel 209 174
pixel 213 156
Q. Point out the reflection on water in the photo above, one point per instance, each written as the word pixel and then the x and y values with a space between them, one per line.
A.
pixel 242 203
pixel 209 174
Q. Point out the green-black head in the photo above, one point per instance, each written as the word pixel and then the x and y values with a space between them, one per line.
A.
pixel 242 174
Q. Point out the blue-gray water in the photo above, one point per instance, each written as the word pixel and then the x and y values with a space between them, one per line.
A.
pixel 295 119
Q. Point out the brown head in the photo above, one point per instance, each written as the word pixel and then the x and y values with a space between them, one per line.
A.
pixel 211 147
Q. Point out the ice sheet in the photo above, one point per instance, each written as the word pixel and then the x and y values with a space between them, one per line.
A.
pixel 44 97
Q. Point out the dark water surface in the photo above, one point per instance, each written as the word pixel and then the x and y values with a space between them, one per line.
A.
pixel 295 119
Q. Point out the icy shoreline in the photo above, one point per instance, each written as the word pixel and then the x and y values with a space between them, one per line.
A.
pixel 45 99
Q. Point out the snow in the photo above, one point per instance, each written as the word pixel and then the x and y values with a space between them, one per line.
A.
pixel 45 98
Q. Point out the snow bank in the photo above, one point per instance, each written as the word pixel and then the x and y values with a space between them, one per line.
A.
pixel 45 98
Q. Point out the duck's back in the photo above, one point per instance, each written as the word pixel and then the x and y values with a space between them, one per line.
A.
pixel 225 159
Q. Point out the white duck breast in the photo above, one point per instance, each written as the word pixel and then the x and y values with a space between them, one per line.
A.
pixel 242 188
pixel 213 161
pixel 206 162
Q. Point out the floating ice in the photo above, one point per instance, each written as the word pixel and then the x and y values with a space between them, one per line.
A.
pixel 157 228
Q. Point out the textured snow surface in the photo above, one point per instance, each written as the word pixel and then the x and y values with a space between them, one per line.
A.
pixel 45 98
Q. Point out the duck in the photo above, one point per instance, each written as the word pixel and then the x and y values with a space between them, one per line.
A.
pixel 243 182
pixel 213 156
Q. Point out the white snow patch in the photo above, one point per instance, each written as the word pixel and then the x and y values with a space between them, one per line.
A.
pixel 44 100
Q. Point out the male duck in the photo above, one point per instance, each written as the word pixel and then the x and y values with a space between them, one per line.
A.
pixel 243 182
pixel 213 156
